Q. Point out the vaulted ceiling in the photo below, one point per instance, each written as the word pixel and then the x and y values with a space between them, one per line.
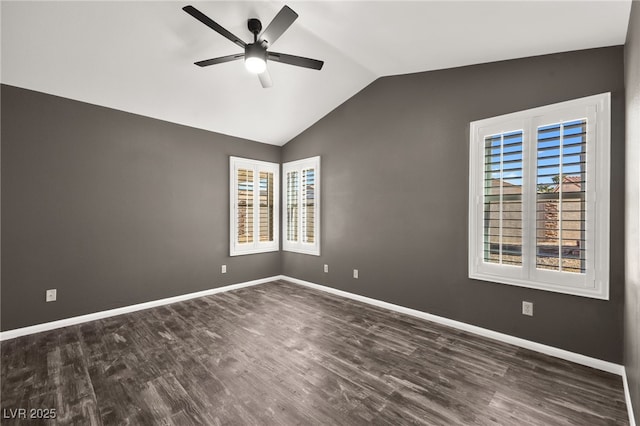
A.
pixel 138 56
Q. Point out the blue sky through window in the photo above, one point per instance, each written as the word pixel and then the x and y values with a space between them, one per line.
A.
pixel 510 145
pixel 548 153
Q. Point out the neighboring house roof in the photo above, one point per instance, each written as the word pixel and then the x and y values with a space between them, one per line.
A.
pixel 495 187
pixel 570 184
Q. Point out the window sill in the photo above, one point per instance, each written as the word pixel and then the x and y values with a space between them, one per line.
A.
pixel 253 251
pixel 590 292
pixel 312 252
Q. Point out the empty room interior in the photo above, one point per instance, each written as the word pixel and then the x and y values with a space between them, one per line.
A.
pixel 320 213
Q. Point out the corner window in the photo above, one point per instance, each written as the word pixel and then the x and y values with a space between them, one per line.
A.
pixel 539 198
pixel 301 189
pixel 254 204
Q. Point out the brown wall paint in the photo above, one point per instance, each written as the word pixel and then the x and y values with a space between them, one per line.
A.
pixel 632 198
pixel 395 161
pixel 112 208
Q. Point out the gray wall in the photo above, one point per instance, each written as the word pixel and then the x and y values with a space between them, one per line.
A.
pixel 632 249
pixel 395 162
pixel 112 208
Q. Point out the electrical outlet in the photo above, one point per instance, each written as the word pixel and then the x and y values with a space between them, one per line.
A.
pixel 355 273
pixel 51 295
pixel 223 269
pixel 326 268
pixel 527 308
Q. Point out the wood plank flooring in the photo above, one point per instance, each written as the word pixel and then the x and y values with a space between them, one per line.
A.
pixel 282 354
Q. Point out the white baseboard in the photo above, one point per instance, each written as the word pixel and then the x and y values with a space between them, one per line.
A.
pixel 18 332
pixel 627 397
pixel 523 343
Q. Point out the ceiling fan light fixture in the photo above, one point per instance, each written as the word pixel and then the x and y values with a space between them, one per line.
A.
pixel 255 65
pixel 255 58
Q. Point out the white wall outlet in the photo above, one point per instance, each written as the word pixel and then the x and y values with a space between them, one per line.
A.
pixel 223 269
pixel 527 308
pixel 51 295
pixel 355 273
pixel 326 267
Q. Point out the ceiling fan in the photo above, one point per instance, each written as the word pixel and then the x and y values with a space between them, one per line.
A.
pixel 256 54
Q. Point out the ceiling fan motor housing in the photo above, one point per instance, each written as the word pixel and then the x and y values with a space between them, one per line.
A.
pixel 255 50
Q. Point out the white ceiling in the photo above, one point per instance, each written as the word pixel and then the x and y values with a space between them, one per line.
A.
pixel 138 56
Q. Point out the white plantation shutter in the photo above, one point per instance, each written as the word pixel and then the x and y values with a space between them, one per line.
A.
pixel 267 205
pixel 302 188
pixel 503 198
pixel 561 214
pixel 539 198
pixel 244 206
pixel 308 198
pixel 292 223
pixel 254 204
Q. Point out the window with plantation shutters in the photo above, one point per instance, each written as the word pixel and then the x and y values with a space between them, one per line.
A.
pixel 539 198
pixel 301 185
pixel 254 206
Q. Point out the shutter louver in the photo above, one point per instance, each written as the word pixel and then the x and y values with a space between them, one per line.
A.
pixel 503 198
pixel 561 197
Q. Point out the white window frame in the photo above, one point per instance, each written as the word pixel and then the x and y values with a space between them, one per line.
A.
pixel 257 246
pixel 300 246
pixel 594 282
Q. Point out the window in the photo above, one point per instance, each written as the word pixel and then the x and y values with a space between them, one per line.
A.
pixel 539 198
pixel 301 188
pixel 254 206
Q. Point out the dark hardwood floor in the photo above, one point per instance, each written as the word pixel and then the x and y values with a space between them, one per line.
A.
pixel 283 354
